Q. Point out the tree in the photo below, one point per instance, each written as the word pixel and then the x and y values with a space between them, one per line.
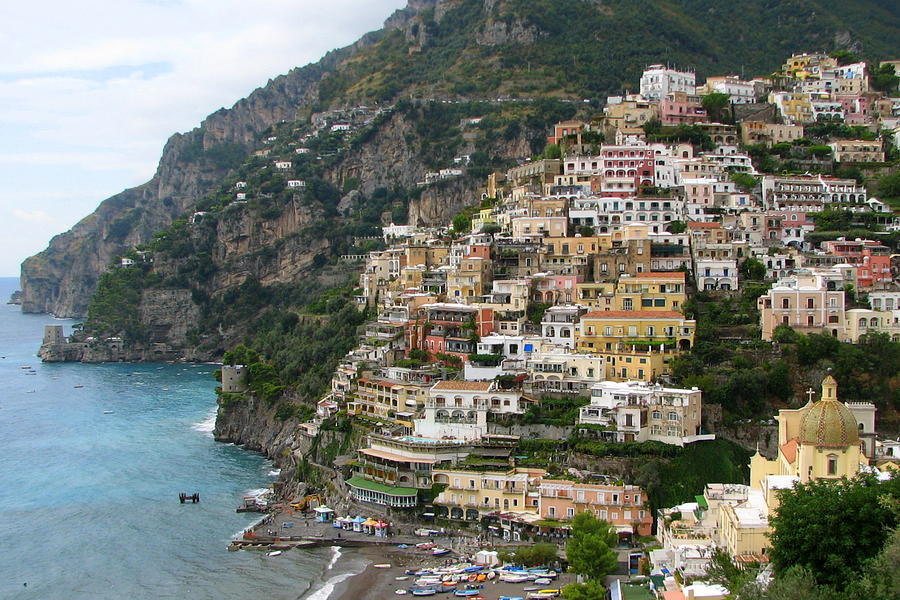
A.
pixel 881 579
pixel 676 227
pixel 718 106
pixel 586 230
pixel 846 514
pixel 536 555
pixel 889 186
pixel 589 550
pixel 552 151
pixel 744 181
pixel 590 590
pixel 491 228
pixel 753 268
pixel 885 79
pixel 784 334
pixel 462 223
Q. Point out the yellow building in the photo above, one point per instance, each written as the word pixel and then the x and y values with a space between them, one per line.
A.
pixel 651 291
pixel 470 278
pixel 385 398
pixel 635 344
pixel 817 441
pixel 472 494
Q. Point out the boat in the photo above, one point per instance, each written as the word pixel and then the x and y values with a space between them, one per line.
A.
pixel 480 577
pixel 466 593
pixel 440 551
pixel 274 553
pixel 423 591
pixel 108 412
pixel 514 578
pixel 382 566
pixel 543 594
pixel 401 577
pixel 542 581
pixel 511 598
pixel 400 592
pixel 491 575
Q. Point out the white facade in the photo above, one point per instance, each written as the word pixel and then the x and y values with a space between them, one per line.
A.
pixel 658 81
pixel 458 409
pixel 716 274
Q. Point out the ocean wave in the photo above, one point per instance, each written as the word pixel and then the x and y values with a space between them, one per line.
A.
pixel 258 492
pixel 274 473
pixel 324 592
pixel 206 425
pixel 335 555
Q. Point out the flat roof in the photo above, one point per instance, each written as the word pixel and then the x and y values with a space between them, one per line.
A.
pixel 469 386
pixel 391 456
pixel 373 486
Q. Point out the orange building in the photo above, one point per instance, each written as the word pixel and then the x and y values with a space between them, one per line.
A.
pixel 623 506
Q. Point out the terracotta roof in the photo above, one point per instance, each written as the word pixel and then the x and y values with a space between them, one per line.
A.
pixel 633 314
pixel 661 275
pixel 789 449
pixel 713 225
pixel 470 386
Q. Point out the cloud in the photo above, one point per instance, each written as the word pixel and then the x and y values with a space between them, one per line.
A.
pixel 32 216
pixel 94 88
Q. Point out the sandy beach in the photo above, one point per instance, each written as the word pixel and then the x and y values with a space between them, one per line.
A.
pixel 380 584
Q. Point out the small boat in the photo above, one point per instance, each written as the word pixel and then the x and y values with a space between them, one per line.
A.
pixel 402 546
pixel 466 593
pixel 423 591
pixel 511 598
pixel 514 578
pixel 542 581
pixel 274 553
pixel 481 577
pixel 401 578
pixel 400 592
pixel 382 566
pixel 440 551
pixel 108 412
pixel 77 386
pixel 491 575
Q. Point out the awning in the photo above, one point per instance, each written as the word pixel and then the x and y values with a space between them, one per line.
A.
pixel 373 486
pixel 620 529
pixel 393 457
pixel 322 509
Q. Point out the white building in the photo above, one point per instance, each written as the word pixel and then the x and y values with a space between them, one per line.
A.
pixel 716 274
pixel 458 409
pixel 658 81
pixel 637 411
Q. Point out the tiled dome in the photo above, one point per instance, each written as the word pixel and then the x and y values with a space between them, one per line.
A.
pixel 828 422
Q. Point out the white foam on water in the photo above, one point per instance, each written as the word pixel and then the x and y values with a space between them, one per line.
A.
pixel 274 473
pixel 335 555
pixel 206 425
pixel 325 592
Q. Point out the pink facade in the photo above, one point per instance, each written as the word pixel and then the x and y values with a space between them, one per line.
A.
pixel 872 259
pixel 555 289
pixel 679 108
pixel 624 170
pixel 624 506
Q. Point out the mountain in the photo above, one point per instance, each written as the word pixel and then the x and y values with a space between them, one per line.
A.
pixel 451 50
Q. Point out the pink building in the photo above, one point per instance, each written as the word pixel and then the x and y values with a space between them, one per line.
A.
pixel 680 108
pixel 624 506
pixel 555 289
pixel 624 170
pixel 872 259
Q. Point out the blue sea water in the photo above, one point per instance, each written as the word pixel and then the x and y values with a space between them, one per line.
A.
pixel 89 500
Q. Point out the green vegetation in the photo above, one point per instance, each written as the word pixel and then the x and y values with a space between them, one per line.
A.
pixel 535 555
pixel 590 552
pixel 853 513
pixel 551 410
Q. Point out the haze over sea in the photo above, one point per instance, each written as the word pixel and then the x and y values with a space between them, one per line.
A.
pixel 89 501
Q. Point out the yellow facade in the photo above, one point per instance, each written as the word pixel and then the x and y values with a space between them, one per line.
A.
pixel 635 344
pixel 486 491
pixel 383 398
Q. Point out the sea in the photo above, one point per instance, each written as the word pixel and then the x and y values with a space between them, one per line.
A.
pixel 92 459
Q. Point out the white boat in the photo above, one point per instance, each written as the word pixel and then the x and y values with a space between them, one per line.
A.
pixel 424 592
pixel 274 553
pixel 401 578
pixel 382 566
pixel 514 578
pixel 400 592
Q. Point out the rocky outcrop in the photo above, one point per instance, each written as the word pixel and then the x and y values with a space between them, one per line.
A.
pixel 495 33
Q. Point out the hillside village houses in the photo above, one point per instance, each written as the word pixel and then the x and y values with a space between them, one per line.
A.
pixel 573 280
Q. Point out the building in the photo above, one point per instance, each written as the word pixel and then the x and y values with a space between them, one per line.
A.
pixel 391 470
pixel 807 301
pixel 625 507
pixel 471 494
pixel 872 259
pixel 459 409
pixel 658 81
pixel 636 411
pixel 857 151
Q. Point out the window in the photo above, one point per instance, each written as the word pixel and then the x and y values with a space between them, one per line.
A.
pixel 832 464
pixel 656 414
pixel 552 511
pixel 570 512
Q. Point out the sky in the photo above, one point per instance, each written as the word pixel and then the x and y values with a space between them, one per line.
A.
pixel 91 89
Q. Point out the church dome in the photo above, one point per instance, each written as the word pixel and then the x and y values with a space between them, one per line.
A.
pixel 828 423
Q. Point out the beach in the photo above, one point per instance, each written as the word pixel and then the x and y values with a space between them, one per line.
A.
pixel 380 584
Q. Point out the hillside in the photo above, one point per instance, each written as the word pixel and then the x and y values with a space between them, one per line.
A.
pixel 451 49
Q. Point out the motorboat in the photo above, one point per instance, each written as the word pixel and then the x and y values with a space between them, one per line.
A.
pixel 440 551
pixel 274 553
pixel 382 566
pixel 423 591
